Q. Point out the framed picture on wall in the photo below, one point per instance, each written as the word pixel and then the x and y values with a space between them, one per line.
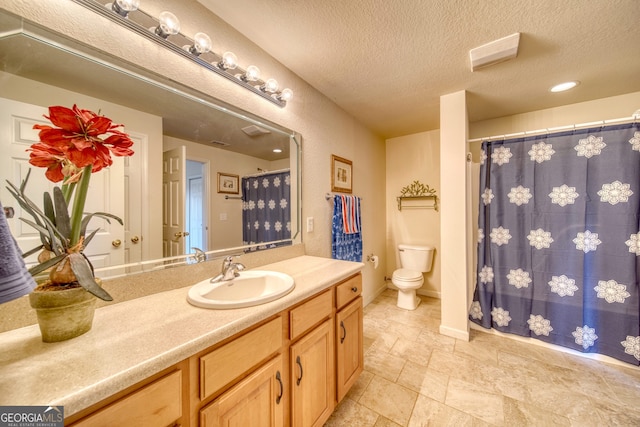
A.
pixel 341 174
pixel 228 184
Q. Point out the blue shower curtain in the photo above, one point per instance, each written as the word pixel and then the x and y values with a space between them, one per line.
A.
pixel 266 212
pixel 346 229
pixel 559 239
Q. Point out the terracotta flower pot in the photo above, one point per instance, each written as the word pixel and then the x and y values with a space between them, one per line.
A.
pixel 63 314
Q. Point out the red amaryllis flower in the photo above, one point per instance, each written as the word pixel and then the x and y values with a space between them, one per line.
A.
pixel 78 137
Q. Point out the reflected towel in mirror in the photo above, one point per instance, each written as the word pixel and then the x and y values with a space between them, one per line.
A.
pixel 15 280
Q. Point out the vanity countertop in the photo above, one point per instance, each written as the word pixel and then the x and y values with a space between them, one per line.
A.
pixel 135 339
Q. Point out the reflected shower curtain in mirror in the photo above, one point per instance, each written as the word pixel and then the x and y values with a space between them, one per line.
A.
pixel 559 240
pixel 266 212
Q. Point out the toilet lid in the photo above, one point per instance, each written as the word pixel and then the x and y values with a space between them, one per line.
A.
pixel 407 275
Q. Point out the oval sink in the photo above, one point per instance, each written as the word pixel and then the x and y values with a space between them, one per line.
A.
pixel 251 288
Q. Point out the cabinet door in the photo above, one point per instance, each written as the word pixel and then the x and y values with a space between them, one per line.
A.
pixel 312 377
pixel 348 347
pixel 255 401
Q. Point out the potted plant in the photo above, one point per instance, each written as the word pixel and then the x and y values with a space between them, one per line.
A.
pixel 81 144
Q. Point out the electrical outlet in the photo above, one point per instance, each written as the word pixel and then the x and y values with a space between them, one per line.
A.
pixel 310 224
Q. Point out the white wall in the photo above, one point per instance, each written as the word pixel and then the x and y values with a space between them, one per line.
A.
pixel 325 128
pixel 413 158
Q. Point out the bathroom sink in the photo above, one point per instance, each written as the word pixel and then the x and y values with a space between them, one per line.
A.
pixel 250 288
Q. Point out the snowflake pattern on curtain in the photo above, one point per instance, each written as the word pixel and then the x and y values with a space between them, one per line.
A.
pixel 559 239
pixel 266 212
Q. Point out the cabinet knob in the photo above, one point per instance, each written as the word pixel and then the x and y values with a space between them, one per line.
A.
pixel 354 289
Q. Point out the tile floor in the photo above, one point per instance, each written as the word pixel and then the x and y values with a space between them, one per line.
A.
pixel 415 377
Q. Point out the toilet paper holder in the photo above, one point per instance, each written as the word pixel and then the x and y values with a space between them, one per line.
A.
pixel 374 259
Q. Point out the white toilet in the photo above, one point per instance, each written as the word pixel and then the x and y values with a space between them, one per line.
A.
pixel 414 260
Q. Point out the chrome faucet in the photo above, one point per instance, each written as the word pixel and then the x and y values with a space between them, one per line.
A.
pixel 230 270
pixel 199 256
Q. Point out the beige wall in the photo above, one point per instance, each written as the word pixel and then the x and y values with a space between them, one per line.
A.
pixel 325 128
pixel 413 158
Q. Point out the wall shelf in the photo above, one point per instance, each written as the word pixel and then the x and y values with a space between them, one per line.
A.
pixel 429 202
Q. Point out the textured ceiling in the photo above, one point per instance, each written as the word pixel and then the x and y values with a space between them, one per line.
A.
pixel 388 62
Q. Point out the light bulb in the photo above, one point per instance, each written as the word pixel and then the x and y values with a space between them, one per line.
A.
pixel 229 61
pixel 201 44
pixel 270 86
pixel 123 7
pixel 285 95
pixel 277 150
pixel 169 25
pixel 251 75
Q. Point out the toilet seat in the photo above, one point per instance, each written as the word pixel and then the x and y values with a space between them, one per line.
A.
pixel 406 275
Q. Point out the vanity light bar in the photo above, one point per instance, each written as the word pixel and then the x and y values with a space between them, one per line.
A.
pixel 144 24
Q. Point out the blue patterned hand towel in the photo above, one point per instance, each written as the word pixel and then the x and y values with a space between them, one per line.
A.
pixel 15 280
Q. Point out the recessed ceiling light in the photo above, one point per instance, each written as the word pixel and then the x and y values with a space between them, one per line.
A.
pixel 564 86
pixel 277 150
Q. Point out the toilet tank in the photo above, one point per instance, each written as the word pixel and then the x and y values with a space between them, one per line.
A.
pixel 416 257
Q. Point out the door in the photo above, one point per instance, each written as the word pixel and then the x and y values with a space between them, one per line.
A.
pixel 106 187
pixel 136 215
pixel 256 401
pixel 312 377
pixel 349 345
pixel 173 212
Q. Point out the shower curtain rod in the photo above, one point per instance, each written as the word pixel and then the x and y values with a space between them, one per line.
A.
pixel 633 118
pixel 266 173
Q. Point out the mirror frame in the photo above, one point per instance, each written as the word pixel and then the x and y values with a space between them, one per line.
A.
pixel 73 47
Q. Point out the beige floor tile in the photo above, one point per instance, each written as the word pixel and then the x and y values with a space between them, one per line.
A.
pixel 383 364
pixel 414 376
pixel 428 412
pixel 411 350
pixel 389 400
pixel 350 413
pixel 517 413
pixel 427 382
pixel 476 401
pixel 360 385
pixel 385 422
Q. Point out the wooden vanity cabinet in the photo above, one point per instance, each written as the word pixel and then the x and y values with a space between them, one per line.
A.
pixel 255 401
pixel 160 400
pixel 288 370
pixel 311 361
pixel 348 337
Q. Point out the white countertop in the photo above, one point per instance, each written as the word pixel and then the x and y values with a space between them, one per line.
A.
pixel 135 339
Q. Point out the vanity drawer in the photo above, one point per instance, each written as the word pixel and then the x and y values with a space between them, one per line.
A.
pixel 348 290
pixel 224 364
pixel 157 404
pixel 310 313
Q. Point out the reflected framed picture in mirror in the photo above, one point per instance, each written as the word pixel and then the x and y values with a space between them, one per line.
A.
pixel 341 174
pixel 228 184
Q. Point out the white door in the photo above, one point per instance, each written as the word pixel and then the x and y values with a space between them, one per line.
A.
pixel 136 224
pixel 174 231
pixel 105 194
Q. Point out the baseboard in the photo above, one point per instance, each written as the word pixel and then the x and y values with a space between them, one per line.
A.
pixel 454 333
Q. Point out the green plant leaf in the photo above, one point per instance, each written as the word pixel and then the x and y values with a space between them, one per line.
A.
pixel 82 269
pixel 43 266
pixel 32 251
pixel 90 237
pixel 48 207
pixel 56 245
pixel 62 222
pixel 89 216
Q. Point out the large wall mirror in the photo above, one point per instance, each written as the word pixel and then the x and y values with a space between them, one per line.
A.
pixel 196 158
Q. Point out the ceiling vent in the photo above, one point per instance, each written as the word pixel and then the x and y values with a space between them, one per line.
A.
pixel 254 130
pixel 497 51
